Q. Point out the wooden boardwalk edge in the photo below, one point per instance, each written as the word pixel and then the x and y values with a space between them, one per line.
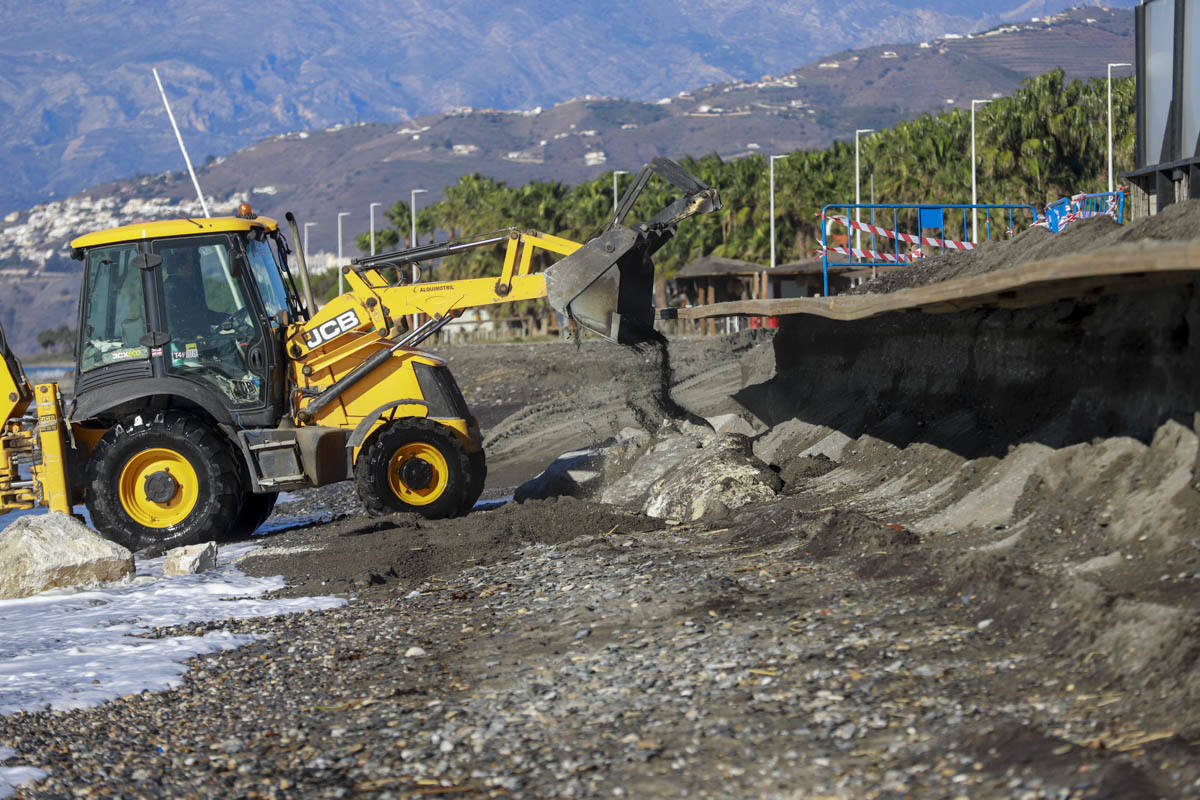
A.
pixel 1084 275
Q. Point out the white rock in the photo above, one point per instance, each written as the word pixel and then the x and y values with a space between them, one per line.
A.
pixel 731 423
pixel 46 551
pixel 415 652
pixel 1099 563
pixel 190 559
pixel 685 477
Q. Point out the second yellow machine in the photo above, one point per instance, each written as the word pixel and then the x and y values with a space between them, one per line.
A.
pixel 207 382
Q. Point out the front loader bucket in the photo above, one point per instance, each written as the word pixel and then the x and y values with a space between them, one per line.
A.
pixel 607 286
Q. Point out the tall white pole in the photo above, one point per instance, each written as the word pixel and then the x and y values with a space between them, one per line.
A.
pixel 371 211
pixel 974 195
pixel 182 148
pixel 339 261
pixel 412 208
pixel 874 268
pixel 771 171
pixel 616 172
pixel 307 225
pixel 1110 125
pixel 858 188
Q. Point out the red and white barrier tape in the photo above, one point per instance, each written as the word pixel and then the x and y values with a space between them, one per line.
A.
pixel 1075 210
pixel 874 255
pixel 903 237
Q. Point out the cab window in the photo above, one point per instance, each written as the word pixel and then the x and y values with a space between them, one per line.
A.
pixel 200 288
pixel 266 275
pixel 209 324
pixel 114 308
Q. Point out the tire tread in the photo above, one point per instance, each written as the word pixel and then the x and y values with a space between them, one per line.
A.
pixel 219 508
pixel 373 461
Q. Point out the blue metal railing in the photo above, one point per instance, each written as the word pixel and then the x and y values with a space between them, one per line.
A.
pixel 1082 206
pixel 927 217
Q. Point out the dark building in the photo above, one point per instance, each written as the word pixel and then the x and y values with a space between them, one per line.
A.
pixel 1167 153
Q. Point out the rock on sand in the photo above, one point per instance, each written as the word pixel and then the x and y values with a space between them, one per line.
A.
pixel 689 473
pixel 190 559
pixel 53 550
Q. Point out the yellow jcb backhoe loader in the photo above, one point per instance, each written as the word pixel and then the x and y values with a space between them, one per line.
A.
pixel 206 382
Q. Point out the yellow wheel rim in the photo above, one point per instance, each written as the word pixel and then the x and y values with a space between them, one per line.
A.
pixel 431 456
pixel 140 508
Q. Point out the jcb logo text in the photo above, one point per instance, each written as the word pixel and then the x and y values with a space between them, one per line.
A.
pixel 343 322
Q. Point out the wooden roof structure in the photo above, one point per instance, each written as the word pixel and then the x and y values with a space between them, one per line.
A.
pixel 1089 275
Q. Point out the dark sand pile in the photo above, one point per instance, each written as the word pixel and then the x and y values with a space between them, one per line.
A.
pixel 584 394
pixel 1179 222
pixel 365 554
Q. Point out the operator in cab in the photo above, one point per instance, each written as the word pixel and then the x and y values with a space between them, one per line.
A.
pixel 188 314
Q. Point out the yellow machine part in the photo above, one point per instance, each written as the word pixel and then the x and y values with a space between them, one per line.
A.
pixel 173 227
pixel 393 380
pixel 51 473
pixel 148 512
pixel 355 325
pixel 13 395
pixel 50 484
pixel 431 456
pixel 372 303
pixel 16 443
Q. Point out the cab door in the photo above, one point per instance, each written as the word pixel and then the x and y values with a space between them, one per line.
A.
pixel 263 270
pixel 213 329
pixel 113 346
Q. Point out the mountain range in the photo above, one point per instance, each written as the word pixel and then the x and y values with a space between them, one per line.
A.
pixel 79 105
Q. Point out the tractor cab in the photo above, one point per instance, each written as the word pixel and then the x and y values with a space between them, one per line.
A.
pixel 190 310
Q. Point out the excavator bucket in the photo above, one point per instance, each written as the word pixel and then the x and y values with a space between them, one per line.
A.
pixel 607 286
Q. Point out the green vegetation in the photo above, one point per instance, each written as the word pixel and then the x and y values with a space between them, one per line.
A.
pixel 57 340
pixel 1047 140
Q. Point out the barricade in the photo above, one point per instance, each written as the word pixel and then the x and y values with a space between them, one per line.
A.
pixel 1062 213
pixel 994 221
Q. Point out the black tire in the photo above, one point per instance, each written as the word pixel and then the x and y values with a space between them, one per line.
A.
pixel 379 479
pixel 115 506
pixel 476 477
pixel 256 508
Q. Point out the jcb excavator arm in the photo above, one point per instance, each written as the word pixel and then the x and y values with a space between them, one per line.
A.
pixel 604 285
pixel 372 301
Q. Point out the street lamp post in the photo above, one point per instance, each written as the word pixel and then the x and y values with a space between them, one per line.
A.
pixel 1110 133
pixel 857 188
pixel 616 172
pixel 412 241
pixel 307 225
pixel 371 211
pixel 771 172
pixel 974 195
pixel 339 264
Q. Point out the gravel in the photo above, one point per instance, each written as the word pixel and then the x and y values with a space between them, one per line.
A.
pixel 682 662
